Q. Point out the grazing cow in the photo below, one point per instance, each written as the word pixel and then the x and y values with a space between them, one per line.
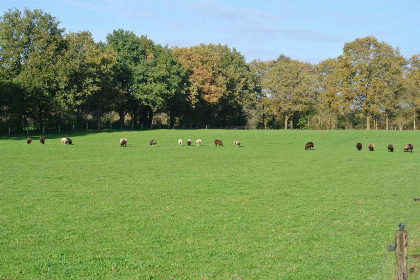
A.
pixel 359 146
pixel 180 142
pixel 123 142
pixel 189 142
pixel 64 141
pixel 218 142
pixel 198 142
pixel 309 146
pixel 42 140
pixel 28 140
pixel 408 147
pixel 237 143
pixel 153 143
pixel 69 141
pixel 390 148
pixel 371 146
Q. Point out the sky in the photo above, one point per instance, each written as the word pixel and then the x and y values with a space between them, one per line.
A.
pixel 306 30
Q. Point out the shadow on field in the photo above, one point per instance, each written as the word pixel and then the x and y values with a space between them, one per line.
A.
pixel 59 135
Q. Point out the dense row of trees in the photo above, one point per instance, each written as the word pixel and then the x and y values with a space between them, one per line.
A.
pixel 49 78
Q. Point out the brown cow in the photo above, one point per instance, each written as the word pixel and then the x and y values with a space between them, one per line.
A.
pixel 371 146
pixel 123 142
pixel 309 146
pixel 42 140
pixel 359 146
pixel 218 142
pixel 390 148
pixel 70 141
pixel 189 142
pixel 28 140
pixel 408 147
pixel 153 143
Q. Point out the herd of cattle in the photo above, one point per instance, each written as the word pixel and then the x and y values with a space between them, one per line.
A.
pixel 217 142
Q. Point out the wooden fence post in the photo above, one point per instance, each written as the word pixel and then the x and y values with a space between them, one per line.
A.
pixel 401 254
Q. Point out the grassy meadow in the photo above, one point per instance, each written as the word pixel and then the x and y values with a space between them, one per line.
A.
pixel 265 210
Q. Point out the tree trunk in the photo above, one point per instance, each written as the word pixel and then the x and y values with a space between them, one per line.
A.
pixel 171 120
pixel 150 118
pixel 263 116
pixel 414 119
pixel 329 121
pixel 122 117
pixel 387 122
pixel 134 119
pixel 240 118
pixel 367 121
pixel 41 118
pixel 319 122
pixel 99 114
pixel 291 124
pixel 286 120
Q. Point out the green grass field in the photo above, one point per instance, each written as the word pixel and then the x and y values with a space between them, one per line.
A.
pixel 266 210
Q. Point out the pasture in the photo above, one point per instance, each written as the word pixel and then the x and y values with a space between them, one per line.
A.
pixel 266 210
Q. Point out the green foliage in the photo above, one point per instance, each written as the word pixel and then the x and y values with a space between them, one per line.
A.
pixel 376 75
pixel 30 47
pixel 291 86
pixel 221 85
pixel 46 74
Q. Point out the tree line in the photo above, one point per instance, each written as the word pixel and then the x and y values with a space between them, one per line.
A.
pixel 50 78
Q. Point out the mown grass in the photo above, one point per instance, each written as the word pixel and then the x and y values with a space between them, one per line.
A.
pixel 266 210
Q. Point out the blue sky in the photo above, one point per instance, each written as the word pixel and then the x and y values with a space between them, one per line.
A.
pixel 306 30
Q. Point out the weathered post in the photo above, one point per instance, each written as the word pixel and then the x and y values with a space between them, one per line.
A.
pixel 9 130
pixel 401 253
pixel 59 128
pixel 43 129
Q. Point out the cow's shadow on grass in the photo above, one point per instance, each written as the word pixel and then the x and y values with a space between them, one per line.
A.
pixel 35 135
